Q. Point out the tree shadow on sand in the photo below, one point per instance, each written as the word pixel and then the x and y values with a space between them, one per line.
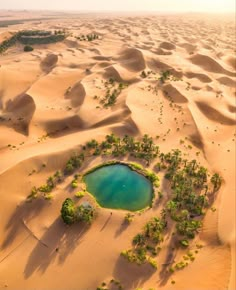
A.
pixel 132 275
pixel 59 241
pixel 124 225
pixel 171 253
pixel 23 212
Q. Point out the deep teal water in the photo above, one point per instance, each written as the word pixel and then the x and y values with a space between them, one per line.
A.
pixel 119 187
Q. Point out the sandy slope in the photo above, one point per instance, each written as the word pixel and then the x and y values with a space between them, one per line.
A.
pixel 51 92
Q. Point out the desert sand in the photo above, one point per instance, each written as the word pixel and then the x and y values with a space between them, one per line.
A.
pixel 48 110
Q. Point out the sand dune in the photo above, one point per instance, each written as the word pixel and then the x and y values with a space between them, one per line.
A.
pixel 216 115
pixel 209 64
pixel 19 112
pixel 76 94
pixel 49 62
pixel 50 106
pixel 231 60
pixel 132 59
pixel 226 81
pixel 167 45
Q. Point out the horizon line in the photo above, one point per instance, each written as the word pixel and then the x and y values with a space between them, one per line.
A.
pixel 117 11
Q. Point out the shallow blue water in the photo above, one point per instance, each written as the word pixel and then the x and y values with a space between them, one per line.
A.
pixel 119 187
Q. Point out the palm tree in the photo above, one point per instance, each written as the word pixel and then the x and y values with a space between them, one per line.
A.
pixel 162 157
pixel 206 188
pixel 216 180
pixel 172 207
pixel 139 240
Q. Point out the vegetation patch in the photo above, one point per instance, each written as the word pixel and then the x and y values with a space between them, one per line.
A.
pixel 31 37
pixel 113 90
pixel 88 37
pixel 192 188
pixel 82 213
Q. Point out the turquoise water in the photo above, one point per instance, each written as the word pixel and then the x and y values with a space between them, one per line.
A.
pixel 119 187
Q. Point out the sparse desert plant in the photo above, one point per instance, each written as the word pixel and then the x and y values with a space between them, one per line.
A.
pixel 165 75
pixel 143 74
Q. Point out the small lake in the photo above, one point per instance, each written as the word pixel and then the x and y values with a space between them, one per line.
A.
pixel 118 187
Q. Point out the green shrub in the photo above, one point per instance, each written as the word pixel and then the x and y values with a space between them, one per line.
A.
pixel 152 262
pixel 46 188
pixel 85 213
pixel 74 184
pixel 68 211
pixel 184 243
pixel 80 194
pixel 28 48
pixel 135 166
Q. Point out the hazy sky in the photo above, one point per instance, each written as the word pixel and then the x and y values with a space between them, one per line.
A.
pixel 123 5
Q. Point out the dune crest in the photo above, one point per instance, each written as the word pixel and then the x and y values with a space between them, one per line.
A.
pixel 209 64
pixel 132 59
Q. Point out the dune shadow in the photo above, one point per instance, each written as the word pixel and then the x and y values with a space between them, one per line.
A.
pixel 58 242
pixel 23 212
pixel 132 275
pixel 19 112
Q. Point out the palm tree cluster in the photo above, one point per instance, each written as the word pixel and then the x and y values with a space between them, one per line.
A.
pixel 187 178
pixel 30 37
pixel 8 43
pixel 144 149
pixel 190 191
pixel 51 183
pixel 74 163
pixel 88 37
pixel 34 33
pixel 146 243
